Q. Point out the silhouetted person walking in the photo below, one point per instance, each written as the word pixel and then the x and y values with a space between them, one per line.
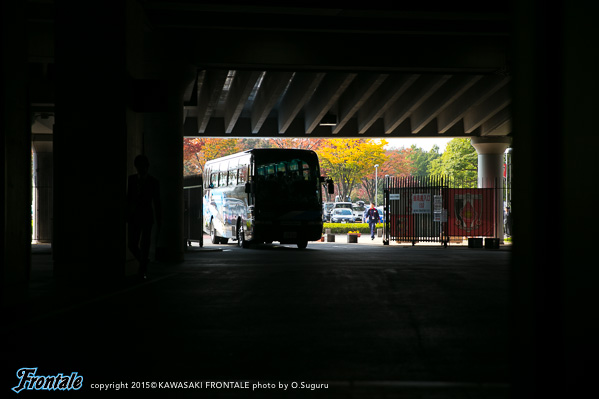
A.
pixel 143 206
pixel 507 221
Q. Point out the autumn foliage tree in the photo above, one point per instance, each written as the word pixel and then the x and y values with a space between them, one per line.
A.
pixel 397 164
pixel 348 160
pixel 196 152
pixel 299 143
pixel 192 149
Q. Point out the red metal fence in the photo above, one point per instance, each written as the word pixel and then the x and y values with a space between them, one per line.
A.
pixel 436 208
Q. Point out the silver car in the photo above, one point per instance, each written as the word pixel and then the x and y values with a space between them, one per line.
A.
pixel 342 215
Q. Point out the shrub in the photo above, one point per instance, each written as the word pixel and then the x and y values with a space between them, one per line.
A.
pixel 343 228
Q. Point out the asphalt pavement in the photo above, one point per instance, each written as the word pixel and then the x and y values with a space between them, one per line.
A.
pixel 335 320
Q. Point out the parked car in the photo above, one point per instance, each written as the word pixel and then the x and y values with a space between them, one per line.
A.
pixel 327 207
pixel 347 205
pixel 358 210
pixel 342 215
pixel 381 213
pixel 330 206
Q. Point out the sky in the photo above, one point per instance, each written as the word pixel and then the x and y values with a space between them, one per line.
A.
pixel 425 143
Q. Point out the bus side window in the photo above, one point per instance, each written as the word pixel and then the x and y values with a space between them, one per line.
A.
pixel 233 177
pixel 242 175
pixel 214 180
pixel 206 178
pixel 306 170
pixel 222 180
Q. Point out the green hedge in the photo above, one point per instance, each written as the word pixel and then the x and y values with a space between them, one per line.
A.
pixel 343 228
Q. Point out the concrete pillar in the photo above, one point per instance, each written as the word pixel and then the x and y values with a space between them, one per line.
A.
pixel 90 140
pixel 15 150
pixel 163 144
pixel 43 174
pixel 554 272
pixel 490 171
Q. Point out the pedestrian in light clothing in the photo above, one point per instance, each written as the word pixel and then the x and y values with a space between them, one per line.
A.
pixel 372 216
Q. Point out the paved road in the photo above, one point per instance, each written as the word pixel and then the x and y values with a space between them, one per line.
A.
pixel 407 319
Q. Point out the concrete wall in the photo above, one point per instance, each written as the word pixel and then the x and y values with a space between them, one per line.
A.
pixel 15 147
pixel 554 271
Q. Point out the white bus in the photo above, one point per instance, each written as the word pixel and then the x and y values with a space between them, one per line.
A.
pixel 264 195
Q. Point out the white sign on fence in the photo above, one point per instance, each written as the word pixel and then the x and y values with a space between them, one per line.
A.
pixel 393 197
pixel 438 201
pixel 421 203
pixel 440 216
pixel 438 208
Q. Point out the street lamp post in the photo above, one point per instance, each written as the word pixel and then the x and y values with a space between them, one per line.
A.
pixel 376 185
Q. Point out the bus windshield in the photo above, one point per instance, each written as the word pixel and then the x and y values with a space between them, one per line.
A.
pixel 287 182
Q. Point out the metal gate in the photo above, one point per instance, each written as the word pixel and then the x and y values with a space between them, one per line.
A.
pixel 193 209
pixel 437 208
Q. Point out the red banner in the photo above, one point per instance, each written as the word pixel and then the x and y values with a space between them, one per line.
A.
pixel 471 212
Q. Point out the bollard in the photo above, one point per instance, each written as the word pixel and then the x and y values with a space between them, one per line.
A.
pixel 491 243
pixel 352 238
pixel 330 237
pixel 475 242
pixel 379 232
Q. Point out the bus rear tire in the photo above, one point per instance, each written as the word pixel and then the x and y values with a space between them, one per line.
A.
pixel 302 244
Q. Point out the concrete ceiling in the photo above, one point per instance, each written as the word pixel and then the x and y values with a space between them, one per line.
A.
pixel 426 70
pixel 416 70
pixel 242 103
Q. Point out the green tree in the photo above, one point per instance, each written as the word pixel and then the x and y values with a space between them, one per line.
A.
pixel 421 160
pixel 459 161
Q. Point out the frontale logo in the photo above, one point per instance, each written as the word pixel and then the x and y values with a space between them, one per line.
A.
pixel 29 380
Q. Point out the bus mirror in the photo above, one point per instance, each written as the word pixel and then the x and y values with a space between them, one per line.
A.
pixel 330 186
